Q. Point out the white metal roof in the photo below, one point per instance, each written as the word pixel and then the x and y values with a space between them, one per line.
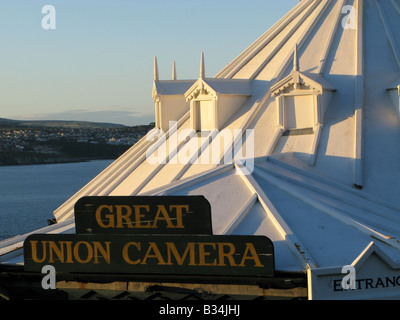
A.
pixel 309 209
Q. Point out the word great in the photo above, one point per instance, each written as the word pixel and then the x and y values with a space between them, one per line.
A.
pixel 136 216
pixel 157 254
pixel 143 215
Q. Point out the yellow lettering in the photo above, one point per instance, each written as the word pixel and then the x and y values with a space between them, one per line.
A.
pixel 179 213
pixel 203 254
pixel 138 216
pixel 34 251
pixel 190 249
pixel 165 216
pixel 125 254
pixel 123 216
pixel 89 252
pixel 229 255
pixel 109 217
pixel 156 254
pixel 104 252
pixel 119 216
pixel 59 251
pixel 68 245
pixel 253 256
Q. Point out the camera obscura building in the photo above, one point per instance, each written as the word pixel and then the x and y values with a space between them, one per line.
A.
pixel 302 193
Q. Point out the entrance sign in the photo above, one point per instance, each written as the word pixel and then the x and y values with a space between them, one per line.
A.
pixel 246 256
pixel 143 215
pixel 376 276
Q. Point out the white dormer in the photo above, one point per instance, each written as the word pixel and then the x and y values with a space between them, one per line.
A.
pixel 213 101
pixel 394 91
pixel 301 99
pixel 169 98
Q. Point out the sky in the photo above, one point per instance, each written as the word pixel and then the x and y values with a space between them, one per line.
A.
pixel 97 64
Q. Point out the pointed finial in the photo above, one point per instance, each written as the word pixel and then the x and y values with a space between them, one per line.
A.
pixel 202 68
pixel 173 71
pixel 296 65
pixel 155 69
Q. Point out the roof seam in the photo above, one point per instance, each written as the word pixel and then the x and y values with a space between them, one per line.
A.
pixel 161 164
pixel 359 98
pixel 331 211
pixel 240 215
pixel 293 241
pixel 90 188
pixel 260 43
pixel 305 34
pixel 329 183
pixel 389 34
pixel 189 181
pixel 331 36
pixel 204 145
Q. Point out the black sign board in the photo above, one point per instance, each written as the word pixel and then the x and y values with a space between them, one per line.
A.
pixel 250 256
pixel 143 215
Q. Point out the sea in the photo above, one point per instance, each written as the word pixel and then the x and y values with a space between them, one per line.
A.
pixel 30 193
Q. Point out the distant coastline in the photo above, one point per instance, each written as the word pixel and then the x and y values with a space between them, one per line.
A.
pixel 48 142
pixel 11 123
pixel 39 159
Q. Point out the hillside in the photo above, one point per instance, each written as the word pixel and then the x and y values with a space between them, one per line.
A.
pixel 35 142
pixel 9 123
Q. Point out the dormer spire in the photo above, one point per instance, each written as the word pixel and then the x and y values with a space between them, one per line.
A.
pixel 173 71
pixel 296 65
pixel 202 67
pixel 155 69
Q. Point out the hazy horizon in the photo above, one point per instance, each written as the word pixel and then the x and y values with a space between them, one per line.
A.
pixel 97 65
